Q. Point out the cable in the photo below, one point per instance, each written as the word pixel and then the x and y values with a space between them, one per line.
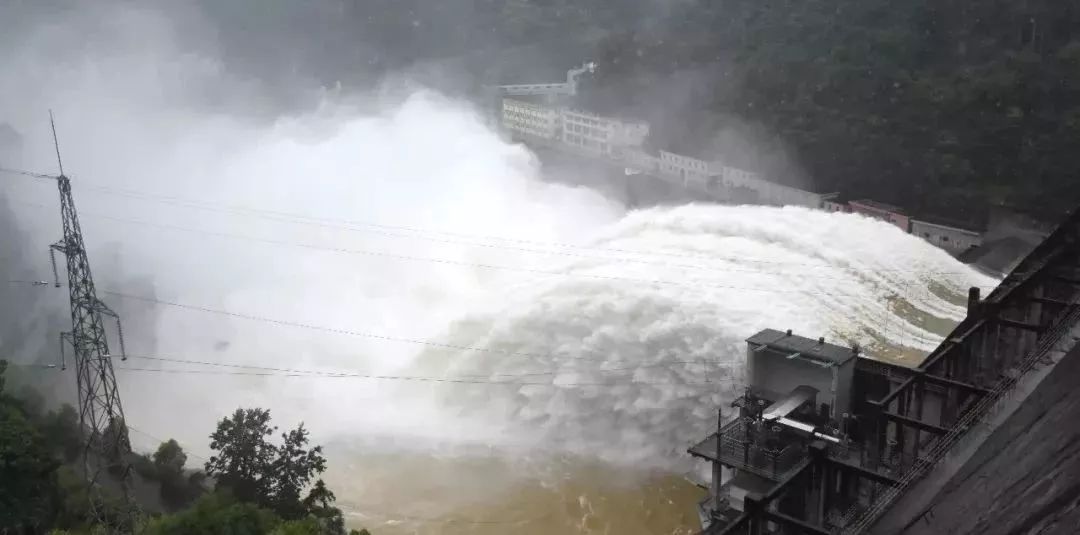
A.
pixel 395 256
pixel 32 365
pixel 30 282
pixel 374 335
pixel 382 254
pixel 27 173
pixel 418 233
pixel 331 373
pixel 321 328
pixel 348 332
pixel 408 378
pixel 187 450
pixel 484 245
pixel 252 317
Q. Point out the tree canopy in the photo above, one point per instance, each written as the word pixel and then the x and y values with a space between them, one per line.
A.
pixel 29 489
pixel 42 487
pixel 257 471
pixel 935 105
pixel 243 455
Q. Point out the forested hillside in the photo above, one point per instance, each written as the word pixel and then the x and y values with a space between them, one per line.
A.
pixel 932 104
pixel 251 484
pixel 938 105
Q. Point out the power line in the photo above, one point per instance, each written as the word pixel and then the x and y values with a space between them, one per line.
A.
pixel 471 376
pixel 696 285
pixel 413 378
pixel 403 257
pixel 428 343
pixel 32 365
pixel 418 233
pixel 349 332
pixel 30 282
pixel 152 437
pixel 309 326
pixel 30 174
pixel 372 335
pixel 424 234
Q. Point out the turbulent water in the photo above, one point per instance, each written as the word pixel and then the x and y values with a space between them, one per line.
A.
pixel 545 356
pixel 561 389
pixel 627 355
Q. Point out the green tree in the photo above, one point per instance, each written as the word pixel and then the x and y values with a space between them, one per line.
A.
pixel 74 511
pixel 28 488
pixel 313 526
pixel 319 504
pixel 259 472
pixel 244 455
pixel 29 492
pixel 170 458
pixel 176 489
pixel 215 514
pixel 319 497
pixel 306 526
pixel 61 430
pixel 292 471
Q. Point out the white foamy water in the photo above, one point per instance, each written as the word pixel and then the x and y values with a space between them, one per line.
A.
pixel 619 333
pixel 664 299
pixel 664 296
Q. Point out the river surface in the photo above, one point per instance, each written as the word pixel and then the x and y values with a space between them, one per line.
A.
pixel 480 348
pixel 560 396
pixel 581 450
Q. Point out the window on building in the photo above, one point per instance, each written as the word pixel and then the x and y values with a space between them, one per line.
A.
pixel 945 239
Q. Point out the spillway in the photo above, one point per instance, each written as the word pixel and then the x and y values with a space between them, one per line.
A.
pixel 628 355
pixel 622 360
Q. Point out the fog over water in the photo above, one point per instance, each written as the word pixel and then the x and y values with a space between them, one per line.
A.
pixel 390 232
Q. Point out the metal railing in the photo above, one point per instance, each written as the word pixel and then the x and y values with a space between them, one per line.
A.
pixel 987 407
pixel 744 453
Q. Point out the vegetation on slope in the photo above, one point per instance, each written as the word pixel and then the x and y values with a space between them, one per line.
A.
pixel 259 487
pixel 931 104
pixel 936 105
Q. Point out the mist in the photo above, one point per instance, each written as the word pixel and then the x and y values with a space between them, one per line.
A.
pixel 139 112
pixel 244 206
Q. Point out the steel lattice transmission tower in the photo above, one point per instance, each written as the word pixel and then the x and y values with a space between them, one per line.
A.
pixel 101 414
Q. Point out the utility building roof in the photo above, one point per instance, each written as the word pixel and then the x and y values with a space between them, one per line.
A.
pixel 966 226
pixel 878 206
pixel 802 347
